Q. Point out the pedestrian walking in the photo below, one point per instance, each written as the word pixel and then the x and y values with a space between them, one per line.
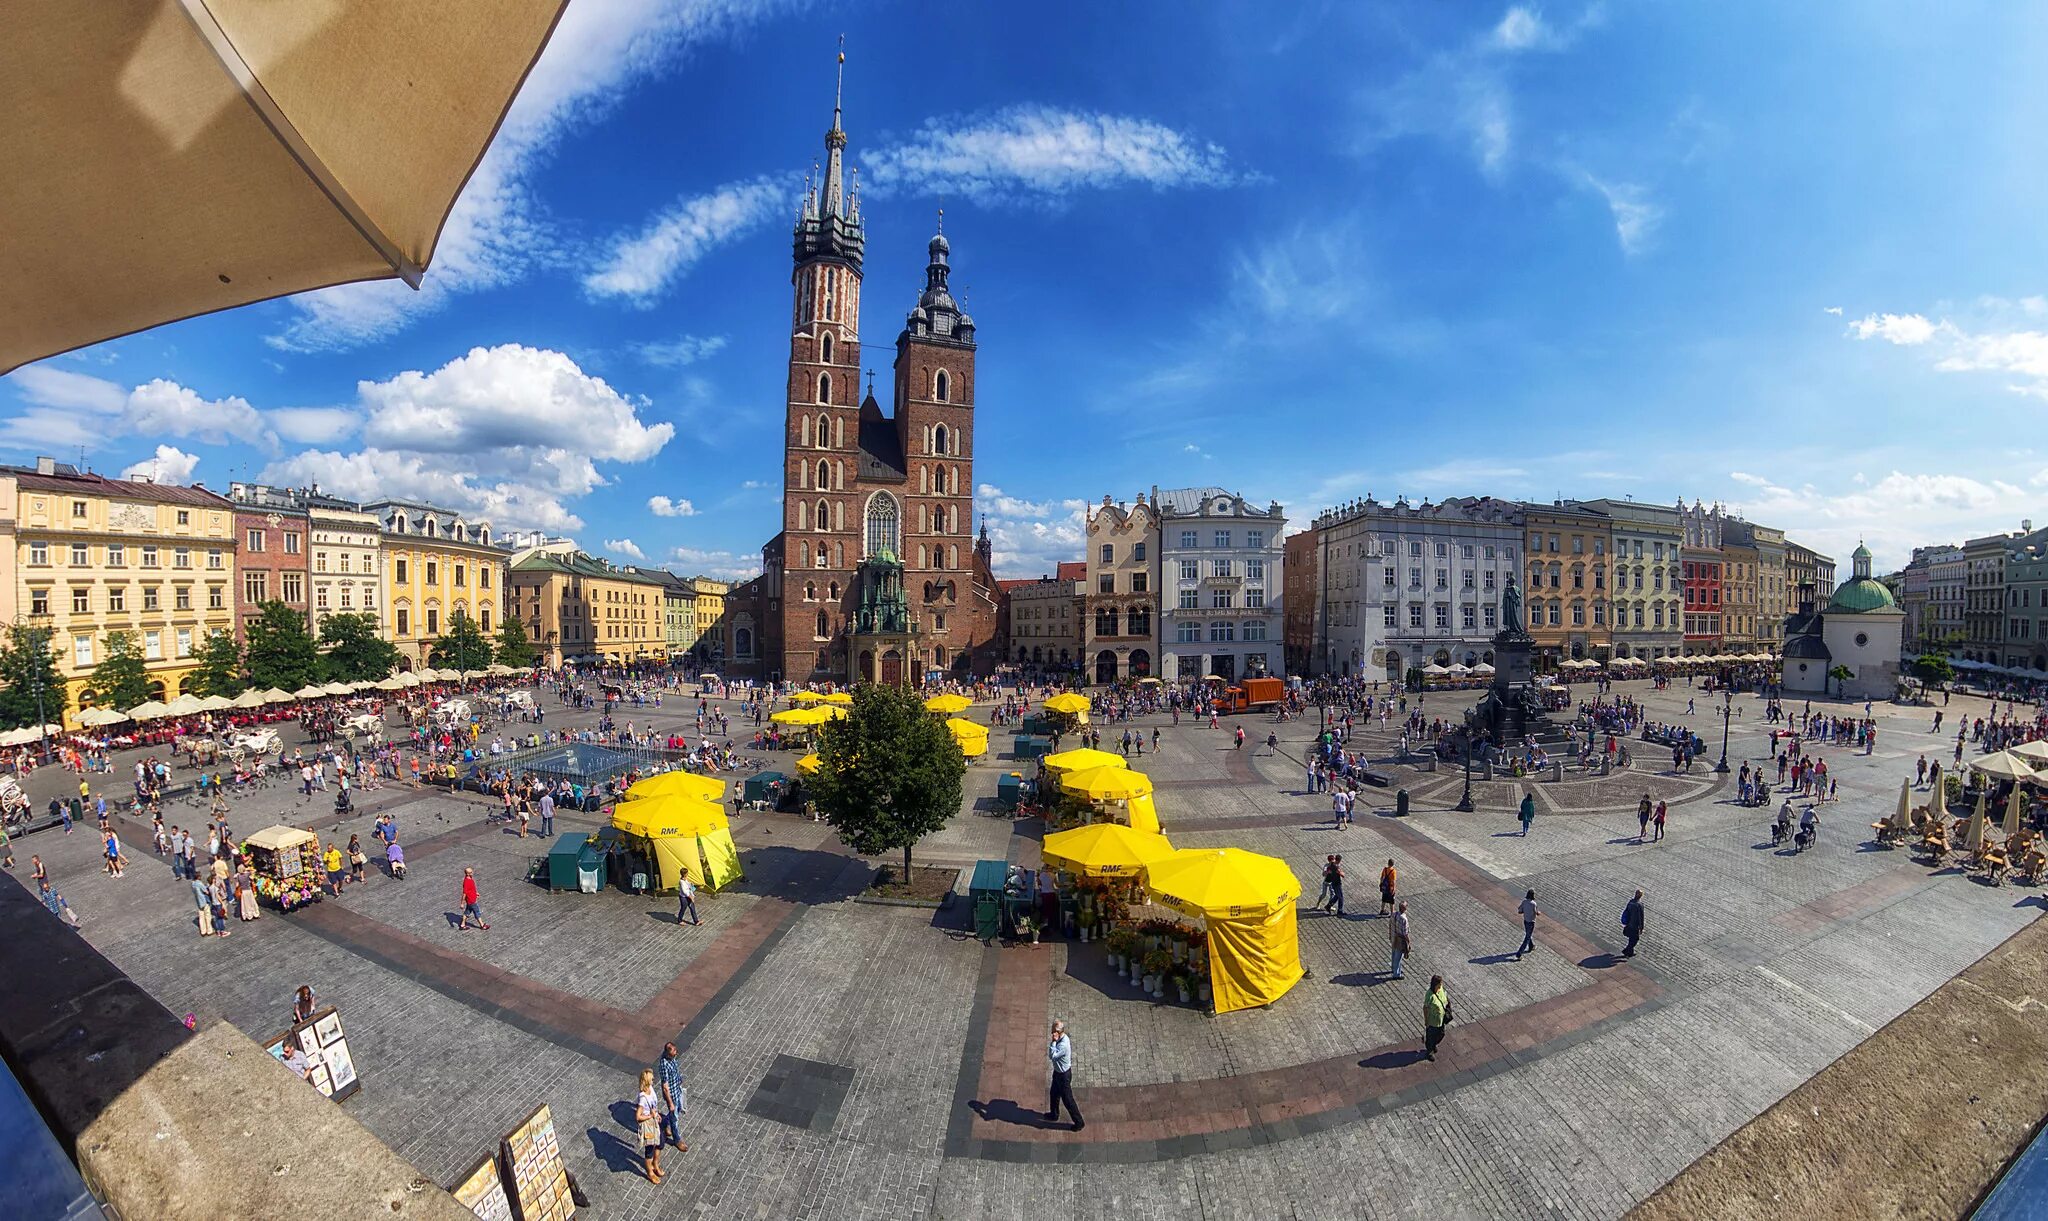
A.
pixel 1333 873
pixel 356 858
pixel 1060 1051
pixel 647 1113
pixel 1387 878
pixel 1632 924
pixel 1436 1015
pixel 1643 818
pixel 1397 937
pixel 686 900
pixel 333 863
pixel 1657 821
pixel 204 899
pixel 547 814
pixel 1529 914
pixel 1323 895
pixel 668 1073
pixel 472 905
pixel 1528 813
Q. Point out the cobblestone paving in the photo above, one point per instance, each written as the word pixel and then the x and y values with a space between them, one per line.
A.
pixel 1570 1087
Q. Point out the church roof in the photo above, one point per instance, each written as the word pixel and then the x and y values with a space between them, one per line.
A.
pixel 1861 596
pixel 1807 648
pixel 881 450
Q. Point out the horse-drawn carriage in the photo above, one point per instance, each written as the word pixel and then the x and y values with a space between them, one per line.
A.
pixel 253 745
pixel 363 729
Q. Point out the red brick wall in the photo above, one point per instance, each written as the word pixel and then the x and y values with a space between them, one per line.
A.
pixel 274 561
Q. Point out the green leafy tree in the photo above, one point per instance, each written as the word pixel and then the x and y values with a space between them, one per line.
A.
pixel 1841 675
pixel 120 680
pixel 355 649
pixel 1935 668
pixel 27 666
pixel 220 666
pixel 464 647
pixel 889 772
pixel 514 649
pixel 281 651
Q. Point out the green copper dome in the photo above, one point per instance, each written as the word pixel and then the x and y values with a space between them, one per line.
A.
pixel 1861 595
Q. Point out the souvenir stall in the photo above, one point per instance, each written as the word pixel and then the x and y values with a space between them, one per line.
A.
pixel 286 861
pixel 1109 794
pixel 1102 866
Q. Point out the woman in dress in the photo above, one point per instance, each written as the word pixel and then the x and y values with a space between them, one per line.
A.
pixel 647 1111
pixel 245 894
pixel 356 859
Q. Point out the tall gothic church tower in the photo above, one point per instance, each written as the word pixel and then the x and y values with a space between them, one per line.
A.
pixel 876 575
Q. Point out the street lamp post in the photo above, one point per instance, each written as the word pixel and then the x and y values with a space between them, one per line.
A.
pixel 1464 805
pixel 1727 712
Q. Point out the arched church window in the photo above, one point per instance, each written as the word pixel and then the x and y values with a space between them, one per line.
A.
pixel 824 475
pixel 825 349
pixel 824 387
pixel 883 525
pixel 941 385
pixel 823 430
pixel 939 435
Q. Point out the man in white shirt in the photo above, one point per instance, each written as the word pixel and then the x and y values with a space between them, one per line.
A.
pixel 1529 914
pixel 686 895
pixel 1060 1051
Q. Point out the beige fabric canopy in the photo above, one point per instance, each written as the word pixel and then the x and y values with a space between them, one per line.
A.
pixel 176 157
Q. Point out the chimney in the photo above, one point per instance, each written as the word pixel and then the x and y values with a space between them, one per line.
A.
pixel 46 466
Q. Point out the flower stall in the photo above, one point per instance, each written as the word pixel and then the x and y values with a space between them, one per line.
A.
pixel 287 865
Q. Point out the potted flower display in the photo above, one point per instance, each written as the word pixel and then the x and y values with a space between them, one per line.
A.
pixel 1157 961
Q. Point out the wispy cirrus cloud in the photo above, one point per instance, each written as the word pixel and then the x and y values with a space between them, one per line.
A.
pixel 643 264
pixel 678 352
pixel 1045 152
pixel 497 232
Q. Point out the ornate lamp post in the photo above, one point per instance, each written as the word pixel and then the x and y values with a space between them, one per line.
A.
pixel 1464 805
pixel 1727 712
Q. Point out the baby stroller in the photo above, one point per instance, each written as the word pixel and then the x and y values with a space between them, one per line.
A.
pixel 343 804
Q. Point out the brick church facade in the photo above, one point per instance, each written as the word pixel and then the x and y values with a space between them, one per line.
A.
pixel 877 574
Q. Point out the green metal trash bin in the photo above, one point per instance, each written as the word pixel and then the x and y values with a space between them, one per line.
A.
pixel 985 890
pixel 590 868
pixel 1030 746
pixel 1037 723
pixel 565 860
pixel 1009 790
pixel 765 787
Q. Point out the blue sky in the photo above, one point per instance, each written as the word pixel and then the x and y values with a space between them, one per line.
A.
pixel 1786 256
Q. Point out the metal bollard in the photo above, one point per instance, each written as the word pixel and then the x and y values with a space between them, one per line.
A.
pixel 1557 771
pixel 1401 804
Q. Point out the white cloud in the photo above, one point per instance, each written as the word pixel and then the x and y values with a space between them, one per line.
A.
pixel 62 410
pixel 508 397
pixel 1029 538
pixel 1836 310
pixel 1908 330
pixel 675 353
pixel 1893 514
pixel 312 425
pixel 1045 151
pixel 1997 336
pixel 1521 29
pixel 626 547
pixel 662 506
pixel 47 386
pixel 640 266
pixel 529 498
pixel 496 231
pixel 159 408
pixel 724 565
pixel 1636 216
pixel 1310 273
pixel 170 465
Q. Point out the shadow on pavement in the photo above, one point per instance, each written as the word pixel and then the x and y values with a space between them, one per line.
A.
pixel 1393 1059
pixel 1009 1110
pixel 802 875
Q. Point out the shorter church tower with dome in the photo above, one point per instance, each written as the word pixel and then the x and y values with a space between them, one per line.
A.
pixel 1861 629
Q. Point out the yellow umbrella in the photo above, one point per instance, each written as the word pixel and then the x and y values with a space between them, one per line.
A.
pixel 1222 882
pixel 970 737
pixel 1105 849
pixel 799 716
pixel 653 817
pixel 1081 760
pixel 1070 701
pixel 2011 826
pixel 178 159
pixel 1107 783
pixel 807 697
pixel 948 704
pixel 809 765
pixel 1973 834
pixel 841 698
pixel 686 784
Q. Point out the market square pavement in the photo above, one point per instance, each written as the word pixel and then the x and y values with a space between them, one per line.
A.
pixel 847 1059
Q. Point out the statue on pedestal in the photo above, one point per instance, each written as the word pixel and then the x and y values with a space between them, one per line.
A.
pixel 1511 607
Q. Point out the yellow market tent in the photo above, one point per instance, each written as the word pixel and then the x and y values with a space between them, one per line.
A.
pixel 808 697
pixel 1246 902
pixel 683 836
pixel 1072 701
pixel 973 738
pixel 1104 850
pixel 686 784
pixel 948 704
pixel 1107 784
pixel 841 698
pixel 805 716
pixel 1080 760
pixel 809 764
